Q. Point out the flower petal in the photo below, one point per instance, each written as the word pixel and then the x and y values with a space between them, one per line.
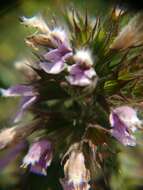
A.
pixel 53 68
pixel 128 116
pixel 53 55
pixel 67 55
pixel 25 103
pixel 75 69
pixel 39 156
pixel 59 37
pixel 90 73
pixel 120 131
pixel 18 90
pixel 79 76
pixel 79 80
pixel 124 138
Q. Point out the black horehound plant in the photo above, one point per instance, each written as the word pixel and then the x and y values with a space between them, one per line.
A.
pixel 84 89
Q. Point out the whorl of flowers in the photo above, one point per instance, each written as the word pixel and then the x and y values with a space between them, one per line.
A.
pixel 83 89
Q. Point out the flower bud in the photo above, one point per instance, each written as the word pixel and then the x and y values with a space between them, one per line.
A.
pixel 39 40
pixel 131 35
pixel 12 136
pixel 37 22
pixel 76 174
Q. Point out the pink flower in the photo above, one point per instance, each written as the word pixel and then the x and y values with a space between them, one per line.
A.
pixel 39 157
pixel 80 76
pixel 81 73
pixel 55 60
pixel 124 121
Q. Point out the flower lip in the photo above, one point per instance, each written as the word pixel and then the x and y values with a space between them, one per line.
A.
pixel 55 59
pixel 80 76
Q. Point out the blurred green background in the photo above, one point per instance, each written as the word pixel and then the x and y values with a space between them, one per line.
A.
pixel 13 49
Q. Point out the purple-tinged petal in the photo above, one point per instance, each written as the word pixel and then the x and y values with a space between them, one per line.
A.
pixel 128 116
pixel 53 68
pixel 75 69
pixel 64 48
pixel 79 80
pixel 56 58
pixel 39 157
pixel 25 103
pixel 79 76
pixel 53 55
pixel 18 90
pixel 124 137
pixel 67 56
pixel 36 150
pixel 43 163
pixel 59 37
pixel 58 54
pixel 90 73
pixel 121 131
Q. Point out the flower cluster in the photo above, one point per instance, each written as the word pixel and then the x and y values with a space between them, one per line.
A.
pixel 74 99
pixel 55 60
